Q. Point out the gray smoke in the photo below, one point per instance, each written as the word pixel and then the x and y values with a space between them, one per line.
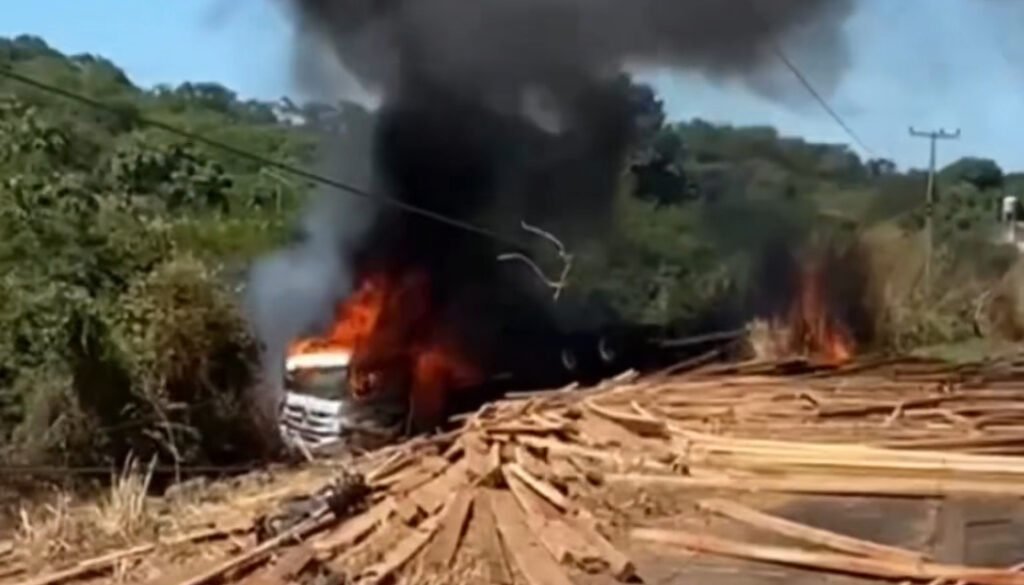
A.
pixel 292 292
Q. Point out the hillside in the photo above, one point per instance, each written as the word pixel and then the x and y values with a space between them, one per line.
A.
pixel 120 327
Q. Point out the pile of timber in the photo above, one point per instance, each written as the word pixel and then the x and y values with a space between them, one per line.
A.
pixel 514 494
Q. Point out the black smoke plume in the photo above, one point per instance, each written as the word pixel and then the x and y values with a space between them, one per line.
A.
pixel 503 111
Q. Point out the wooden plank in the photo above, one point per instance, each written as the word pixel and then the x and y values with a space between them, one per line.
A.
pixel 483 468
pixel 91 566
pixel 288 566
pixel 397 556
pixel 564 543
pixel 605 456
pixel 950 538
pixel 543 488
pixel 389 467
pixel 353 529
pixel 830 562
pixel 601 432
pixel 432 495
pixel 882 408
pixel 825 484
pixel 641 425
pixel 260 552
pixel 620 565
pixel 445 545
pixel 530 557
pixel 809 534
pixel 498 571
pixel 563 472
pixel 531 463
pixel 476 454
pixel 107 561
pixel 1016 568
pixel 409 511
pixel 415 477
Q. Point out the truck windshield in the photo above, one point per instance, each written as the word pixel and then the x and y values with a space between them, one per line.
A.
pixel 326 383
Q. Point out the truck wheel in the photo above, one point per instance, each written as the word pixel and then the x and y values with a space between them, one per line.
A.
pixel 569 360
pixel 607 349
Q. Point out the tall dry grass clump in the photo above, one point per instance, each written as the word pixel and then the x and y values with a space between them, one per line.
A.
pixel 122 515
pixel 123 512
pixel 1006 305
pixel 972 292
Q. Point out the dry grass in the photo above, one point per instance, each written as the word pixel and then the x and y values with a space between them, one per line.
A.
pixel 882 290
pixel 768 340
pixel 53 529
pixel 956 307
pixel 123 513
pixel 60 529
pixel 1006 307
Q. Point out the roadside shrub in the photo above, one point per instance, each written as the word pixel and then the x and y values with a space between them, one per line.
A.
pixel 182 343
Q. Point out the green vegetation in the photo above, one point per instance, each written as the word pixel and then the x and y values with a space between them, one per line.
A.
pixel 120 330
pixel 706 207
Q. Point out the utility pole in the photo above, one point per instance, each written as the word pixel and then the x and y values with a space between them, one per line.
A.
pixel 933 137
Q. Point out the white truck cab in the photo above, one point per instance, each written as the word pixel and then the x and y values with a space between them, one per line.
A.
pixel 316 393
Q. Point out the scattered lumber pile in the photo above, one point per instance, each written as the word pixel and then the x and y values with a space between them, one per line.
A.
pixel 524 490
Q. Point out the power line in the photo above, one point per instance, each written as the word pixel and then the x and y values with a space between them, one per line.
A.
pixel 804 81
pixel 821 99
pixel 7 72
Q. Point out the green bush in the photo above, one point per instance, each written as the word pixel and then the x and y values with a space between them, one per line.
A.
pixel 118 336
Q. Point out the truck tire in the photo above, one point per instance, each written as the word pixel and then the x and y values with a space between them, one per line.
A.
pixel 569 360
pixel 608 350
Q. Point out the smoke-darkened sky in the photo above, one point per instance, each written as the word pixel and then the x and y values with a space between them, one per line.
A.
pixel 953 63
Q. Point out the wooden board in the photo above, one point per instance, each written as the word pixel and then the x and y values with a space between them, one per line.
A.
pixel 976 532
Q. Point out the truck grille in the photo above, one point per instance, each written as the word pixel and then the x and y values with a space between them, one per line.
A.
pixel 317 422
pixel 313 421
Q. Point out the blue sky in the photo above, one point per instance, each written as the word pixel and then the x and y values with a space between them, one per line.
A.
pixel 929 63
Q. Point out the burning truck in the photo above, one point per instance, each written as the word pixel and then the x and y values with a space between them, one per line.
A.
pixel 369 378
pixel 490 115
pixel 427 314
pixel 364 380
pixel 389 362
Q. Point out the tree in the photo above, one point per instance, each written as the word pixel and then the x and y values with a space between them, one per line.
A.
pixel 115 323
pixel 881 167
pixel 983 173
pixel 658 169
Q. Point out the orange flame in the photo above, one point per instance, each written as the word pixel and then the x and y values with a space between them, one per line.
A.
pixel 397 344
pixel 815 329
pixel 354 322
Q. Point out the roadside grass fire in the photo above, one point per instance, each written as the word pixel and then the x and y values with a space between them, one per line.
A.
pixel 816 329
